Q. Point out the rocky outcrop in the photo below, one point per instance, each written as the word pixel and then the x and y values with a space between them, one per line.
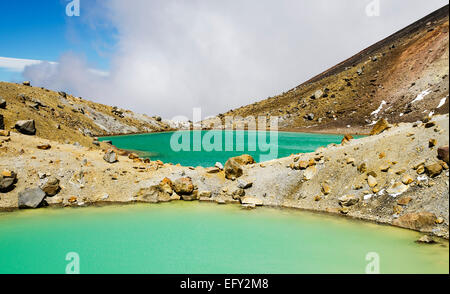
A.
pixel 26 127
pixel 443 153
pixel 31 198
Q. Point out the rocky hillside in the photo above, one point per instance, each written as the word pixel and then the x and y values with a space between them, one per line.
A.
pixel 401 78
pixel 62 117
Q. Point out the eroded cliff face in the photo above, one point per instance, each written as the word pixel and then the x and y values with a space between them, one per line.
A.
pixel 395 177
pixel 402 78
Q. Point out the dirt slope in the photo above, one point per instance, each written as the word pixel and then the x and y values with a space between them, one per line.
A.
pixel 402 78
pixel 70 118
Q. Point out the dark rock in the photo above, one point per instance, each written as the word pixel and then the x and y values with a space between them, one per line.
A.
pixel 7 179
pixel 26 127
pixel 31 198
pixel 2 103
pixel 2 122
pixel 442 153
pixel 27 83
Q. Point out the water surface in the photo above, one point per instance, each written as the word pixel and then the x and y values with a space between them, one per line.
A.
pixel 158 145
pixel 180 237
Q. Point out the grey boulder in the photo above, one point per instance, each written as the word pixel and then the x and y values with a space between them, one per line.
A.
pixel 31 198
pixel 26 127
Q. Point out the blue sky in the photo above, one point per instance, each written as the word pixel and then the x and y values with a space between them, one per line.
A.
pixel 41 30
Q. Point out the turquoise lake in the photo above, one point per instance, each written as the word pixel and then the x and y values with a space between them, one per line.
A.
pixel 158 145
pixel 190 237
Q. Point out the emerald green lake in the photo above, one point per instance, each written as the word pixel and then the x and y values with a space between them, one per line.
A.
pixel 158 146
pixel 190 237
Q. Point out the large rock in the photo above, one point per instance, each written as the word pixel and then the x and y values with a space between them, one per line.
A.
pixel 167 186
pixel 7 179
pixel 31 198
pixel 309 173
pixel 183 186
pixel 379 127
pixel 433 170
pixel 233 166
pixel 348 200
pixel 26 127
pixel 2 103
pixel 50 186
pixel 110 156
pixel 420 221
pixel 443 153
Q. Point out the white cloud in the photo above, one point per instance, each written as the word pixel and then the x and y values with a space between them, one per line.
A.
pixel 173 55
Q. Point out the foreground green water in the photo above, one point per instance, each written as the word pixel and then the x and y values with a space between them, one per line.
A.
pixel 158 146
pixel 182 237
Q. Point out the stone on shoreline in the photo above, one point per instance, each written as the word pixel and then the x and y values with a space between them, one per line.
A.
pixel 44 146
pixel 416 221
pixel 26 127
pixel 31 198
pixel 166 186
pixel 219 165
pixel 250 200
pixel 425 239
pixel 183 186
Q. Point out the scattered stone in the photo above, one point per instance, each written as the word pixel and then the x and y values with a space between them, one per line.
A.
pixel 4 133
pixel 350 160
pixel 439 220
pixel 430 124
pixel 110 156
pixel 27 83
pixel 397 209
pixel 404 201
pixel 385 167
pixel 407 179
pixel 379 127
pixel 219 165
pixel 166 186
pixel 72 199
pixel 31 198
pixel 416 221
pixel 433 170
pixel 348 200
pixel 425 239
pixel 326 189
pixel 50 186
pixel 432 143
pixel 44 146
pixel 309 173
pixel 2 122
pixel 362 168
pixel 397 188
pixel 251 200
pixel 443 153
pixel 237 193
pixel 212 170
pixel 2 103
pixel 372 181
pixel 133 156
pixel 183 186
pixel 204 194
pixel 318 94
pixel 26 127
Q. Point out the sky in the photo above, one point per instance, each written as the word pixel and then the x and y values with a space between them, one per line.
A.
pixel 165 57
